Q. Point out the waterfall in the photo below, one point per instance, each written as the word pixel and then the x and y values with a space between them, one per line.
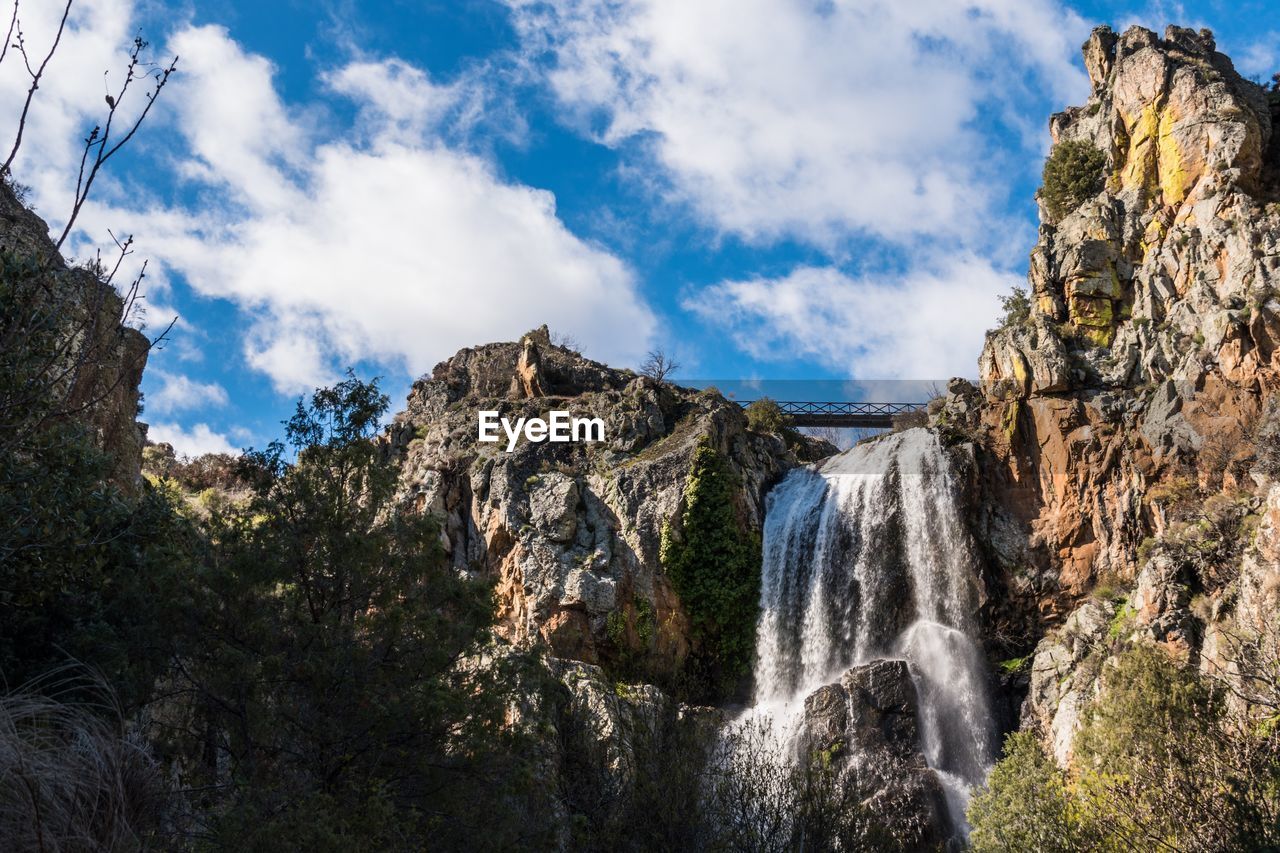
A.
pixel 867 557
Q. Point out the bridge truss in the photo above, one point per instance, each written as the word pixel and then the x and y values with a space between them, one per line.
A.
pixel 813 413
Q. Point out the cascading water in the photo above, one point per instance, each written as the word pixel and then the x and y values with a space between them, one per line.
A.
pixel 867 558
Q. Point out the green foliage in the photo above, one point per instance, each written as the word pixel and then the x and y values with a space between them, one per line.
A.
pixel 1121 622
pixel 1026 804
pixel 87 571
pixel 328 651
pixel 714 566
pixel 1162 762
pixel 1207 538
pixel 1072 174
pixel 1015 665
pixel 765 415
pixel 1016 308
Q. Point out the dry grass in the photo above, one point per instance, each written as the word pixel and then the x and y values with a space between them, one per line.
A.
pixel 71 778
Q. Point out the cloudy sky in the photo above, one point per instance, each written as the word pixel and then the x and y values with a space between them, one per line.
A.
pixel 770 188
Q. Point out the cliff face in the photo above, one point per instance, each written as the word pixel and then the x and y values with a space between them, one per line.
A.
pixel 1153 325
pixel 98 366
pixel 1140 374
pixel 571 532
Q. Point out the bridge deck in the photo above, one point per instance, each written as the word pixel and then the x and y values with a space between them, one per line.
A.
pixel 811 413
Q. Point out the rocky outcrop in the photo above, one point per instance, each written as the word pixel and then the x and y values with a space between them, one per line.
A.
pixel 1152 324
pixel 95 375
pixel 1064 675
pixel 571 531
pixel 868 723
pixel 1117 422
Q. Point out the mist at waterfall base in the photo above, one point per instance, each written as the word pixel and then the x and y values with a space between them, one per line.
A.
pixel 866 557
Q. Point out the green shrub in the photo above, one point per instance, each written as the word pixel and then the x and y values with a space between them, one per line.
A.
pixel 765 415
pixel 1016 307
pixel 1162 762
pixel 1072 174
pixel 1026 804
pixel 323 645
pixel 714 566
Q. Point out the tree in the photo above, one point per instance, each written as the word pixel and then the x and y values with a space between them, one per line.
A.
pixel 1162 762
pixel 1072 174
pixel 105 140
pixel 1016 308
pixel 658 365
pixel 85 562
pixel 1027 804
pixel 339 672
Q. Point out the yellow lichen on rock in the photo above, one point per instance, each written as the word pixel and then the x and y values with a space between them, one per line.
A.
pixel 1142 159
pixel 1153 238
pixel 1172 168
pixel 1093 317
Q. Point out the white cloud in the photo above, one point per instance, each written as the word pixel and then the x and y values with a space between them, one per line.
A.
pixel 393 244
pixel 196 441
pixel 926 325
pixel 401 250
pixel 774 118
pixel 1261 58
pixel 176 393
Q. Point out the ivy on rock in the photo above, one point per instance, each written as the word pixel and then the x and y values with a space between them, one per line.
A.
pixel 714 563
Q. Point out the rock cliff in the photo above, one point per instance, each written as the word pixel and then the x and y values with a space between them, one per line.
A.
pixel 571 532
pixel 1123 409
pixel 1152 323
pixel 96 360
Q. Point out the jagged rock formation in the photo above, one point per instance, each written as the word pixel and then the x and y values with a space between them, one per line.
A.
pixel 1144 363
pixel 571 531
pixel 1153 321
pixel 99 367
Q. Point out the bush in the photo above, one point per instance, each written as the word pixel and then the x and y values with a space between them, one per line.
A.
pixel 1016 307
pixel 325 663
pixel 714 566
pixel 766 416
pixel 70 778
pixel 1162 762
pixel 1026 804
pixel 1072 174
pixel 1209 540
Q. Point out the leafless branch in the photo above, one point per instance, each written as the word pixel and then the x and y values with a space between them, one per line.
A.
pixel 8 37
pixel 99 145
pixel 35 75
pixel 658 365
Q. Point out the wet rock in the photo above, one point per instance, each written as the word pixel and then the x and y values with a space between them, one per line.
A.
pixel 869 722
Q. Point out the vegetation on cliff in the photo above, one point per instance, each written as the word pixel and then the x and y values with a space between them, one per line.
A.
pixel 1072 174
pixel 714 565
pixel 1165 761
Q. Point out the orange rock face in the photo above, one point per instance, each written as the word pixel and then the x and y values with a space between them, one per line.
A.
pixel 1151 345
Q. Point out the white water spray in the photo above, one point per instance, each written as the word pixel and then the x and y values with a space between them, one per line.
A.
pixel 867 558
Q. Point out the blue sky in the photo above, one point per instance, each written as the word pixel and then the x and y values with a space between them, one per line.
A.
pixel 810 189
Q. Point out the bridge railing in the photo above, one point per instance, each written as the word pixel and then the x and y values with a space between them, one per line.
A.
pixel 819 407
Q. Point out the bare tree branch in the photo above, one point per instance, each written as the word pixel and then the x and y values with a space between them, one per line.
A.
pixel 8 37
pixel 36 75
pixel 658 365
pixel 99 142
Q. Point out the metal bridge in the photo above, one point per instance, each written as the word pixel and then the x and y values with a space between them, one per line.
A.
pixel 808 413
